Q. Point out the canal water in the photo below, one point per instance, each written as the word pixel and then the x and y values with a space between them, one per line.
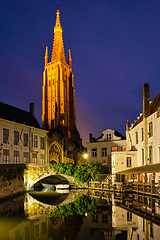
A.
pixel 79 215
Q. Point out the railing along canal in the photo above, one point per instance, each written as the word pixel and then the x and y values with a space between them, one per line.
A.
pixel 137 187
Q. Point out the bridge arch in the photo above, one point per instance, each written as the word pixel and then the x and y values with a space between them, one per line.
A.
pixel 55 153
pixel 36 172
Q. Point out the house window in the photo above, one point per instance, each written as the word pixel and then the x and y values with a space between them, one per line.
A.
pixel 94 152
pixel 129 162
pixel 25 138
pixel 150 129
pixel 151 229
pixel 34 157
pixel 16 138
pixel 5 156
pixel 5 135
pixel 114 149
pixel 42 158
pixel 36 231
pixel 142 135
pixel 129 216
pixel 136 137
pixel 108 136
pixel 150 154
pixel 26 157
pixel 142 156
pixel 35 141
pixel 104 152
pixel 41 142
pixel 124 148
pixel 105 218
pixel 95 218
pixel 44 227
pixel 16 157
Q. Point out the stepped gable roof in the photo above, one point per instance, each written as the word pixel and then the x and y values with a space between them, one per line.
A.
pixel 17 115
pixel 153 107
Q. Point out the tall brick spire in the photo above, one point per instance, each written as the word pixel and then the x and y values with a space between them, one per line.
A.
pixel 58 53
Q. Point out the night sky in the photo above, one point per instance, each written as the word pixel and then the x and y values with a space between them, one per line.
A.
pixel 115 48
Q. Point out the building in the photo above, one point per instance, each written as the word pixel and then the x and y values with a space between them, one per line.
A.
pixel 22 140
pixel 58 104
pixel 100 149
pixel 142 143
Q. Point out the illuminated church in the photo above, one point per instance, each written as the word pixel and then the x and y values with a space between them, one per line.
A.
pixel 58 93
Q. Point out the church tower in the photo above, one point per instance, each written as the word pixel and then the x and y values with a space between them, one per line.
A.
pixel 58 93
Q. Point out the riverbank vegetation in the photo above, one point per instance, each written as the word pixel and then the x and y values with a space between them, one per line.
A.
pixel 81 172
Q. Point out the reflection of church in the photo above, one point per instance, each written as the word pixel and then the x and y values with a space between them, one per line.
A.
pixel 58 104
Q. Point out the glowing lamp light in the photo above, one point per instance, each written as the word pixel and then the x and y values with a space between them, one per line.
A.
pixel 85 155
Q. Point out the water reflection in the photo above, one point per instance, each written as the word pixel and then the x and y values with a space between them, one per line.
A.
pixel 79 215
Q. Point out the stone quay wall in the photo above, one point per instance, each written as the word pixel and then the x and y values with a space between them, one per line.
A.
pixel 11 180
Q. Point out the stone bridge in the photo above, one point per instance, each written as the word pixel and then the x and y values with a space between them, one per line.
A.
pixel 36 172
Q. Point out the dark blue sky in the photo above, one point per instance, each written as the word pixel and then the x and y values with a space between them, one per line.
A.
pixel 115 47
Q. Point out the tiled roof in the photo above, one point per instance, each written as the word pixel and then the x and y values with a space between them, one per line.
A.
pixel 153 107
pixel 17 115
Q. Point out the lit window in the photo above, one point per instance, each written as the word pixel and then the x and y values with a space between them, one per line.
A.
pixel 35 141
pixel 114 149
pixel 129 162
pixel 150 154
pixel 104 152
pixel 136 137
pixel 150 129
pixel 5 156
pixel 94 152
pixel 124 148
pixel 25 138
pixel 16 138
pixel 41 142
pixel 16 157
pixel 5 135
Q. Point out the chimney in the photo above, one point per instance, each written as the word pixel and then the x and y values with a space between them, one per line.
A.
pixel 127 125
pixel 32 108
pixel 146 100
pixel 90 137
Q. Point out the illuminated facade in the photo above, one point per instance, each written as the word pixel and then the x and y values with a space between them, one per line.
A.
pixel 100 149
pixel 58 104
pixel 22 140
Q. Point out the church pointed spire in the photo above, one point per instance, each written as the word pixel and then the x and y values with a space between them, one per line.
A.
pixel 46 56
pixel 69 59
pixel 58 53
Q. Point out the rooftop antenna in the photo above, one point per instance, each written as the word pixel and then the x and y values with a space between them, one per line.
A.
pixel 57 5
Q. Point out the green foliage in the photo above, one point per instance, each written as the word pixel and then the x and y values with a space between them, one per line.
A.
pixel 80 206
pixel 81 172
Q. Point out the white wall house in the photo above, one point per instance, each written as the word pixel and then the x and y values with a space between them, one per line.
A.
pixel 22 140
pixel 100 149
pixel 142 138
